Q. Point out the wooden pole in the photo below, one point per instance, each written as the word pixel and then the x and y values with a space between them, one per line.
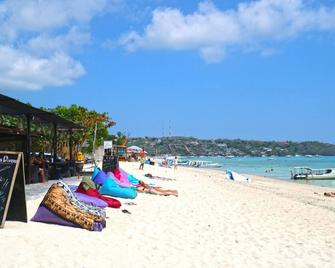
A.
pixel 71 144
pixel 55 143
pixel 94 140
pixel 28 148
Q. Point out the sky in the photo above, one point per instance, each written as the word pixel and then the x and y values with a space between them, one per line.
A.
pixel 210 69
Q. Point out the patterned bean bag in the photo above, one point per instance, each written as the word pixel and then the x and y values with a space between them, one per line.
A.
pixel 61 206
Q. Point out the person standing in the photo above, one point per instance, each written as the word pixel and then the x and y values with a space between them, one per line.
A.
pixel 175 163
pixel 142 163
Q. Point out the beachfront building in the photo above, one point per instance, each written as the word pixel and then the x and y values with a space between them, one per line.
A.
pixel 21 124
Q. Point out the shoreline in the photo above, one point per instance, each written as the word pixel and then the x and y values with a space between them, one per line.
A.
pixel 272 178
pixel 287 188
pixel 214 222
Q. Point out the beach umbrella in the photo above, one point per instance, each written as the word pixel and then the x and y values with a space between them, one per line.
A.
pixel 134 149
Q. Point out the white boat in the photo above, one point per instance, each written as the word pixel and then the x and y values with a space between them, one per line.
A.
pixel 306 173
pixel 203 164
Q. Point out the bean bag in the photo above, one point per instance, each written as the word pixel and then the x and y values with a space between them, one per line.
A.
pixel 125 177
pixel 87 199
pixel 100 177
pixel 95 172
pixel 61 206
pixel 45 215
pixel 111 202
pixel 110 187
pixel 123 184
pixel 133 180
pixel 90 200
pixel 117 173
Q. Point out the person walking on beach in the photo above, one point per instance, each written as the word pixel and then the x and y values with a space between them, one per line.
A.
pixel 142 163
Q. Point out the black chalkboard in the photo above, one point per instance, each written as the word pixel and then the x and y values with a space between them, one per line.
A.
pixel 110 163
pixel 12 191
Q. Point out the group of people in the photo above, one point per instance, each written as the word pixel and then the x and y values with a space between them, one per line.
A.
pixel 165 163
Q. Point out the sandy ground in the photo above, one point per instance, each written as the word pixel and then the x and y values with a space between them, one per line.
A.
pixel 213 223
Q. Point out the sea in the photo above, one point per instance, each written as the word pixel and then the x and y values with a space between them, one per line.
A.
pixel 274 166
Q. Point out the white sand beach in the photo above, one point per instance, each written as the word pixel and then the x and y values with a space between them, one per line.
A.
pixel 213 223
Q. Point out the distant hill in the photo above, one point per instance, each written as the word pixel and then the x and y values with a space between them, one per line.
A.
pixel 189 146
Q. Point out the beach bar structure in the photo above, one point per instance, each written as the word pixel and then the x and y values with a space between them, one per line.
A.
pixel 12 107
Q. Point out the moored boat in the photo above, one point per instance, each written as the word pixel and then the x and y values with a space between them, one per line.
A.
pixel 306 173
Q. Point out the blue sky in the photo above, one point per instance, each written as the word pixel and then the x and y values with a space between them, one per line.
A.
pixel 232 69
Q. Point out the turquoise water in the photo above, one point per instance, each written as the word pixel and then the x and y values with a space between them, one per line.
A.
pixel 281 166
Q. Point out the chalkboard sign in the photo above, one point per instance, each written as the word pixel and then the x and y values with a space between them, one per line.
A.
pixel 12 191
pixel 109 163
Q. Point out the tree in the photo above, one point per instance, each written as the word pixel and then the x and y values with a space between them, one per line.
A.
pixel 89 119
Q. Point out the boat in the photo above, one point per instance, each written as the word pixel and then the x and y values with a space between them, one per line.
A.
pixel 306 173
pixel 183 162
pixel 203 164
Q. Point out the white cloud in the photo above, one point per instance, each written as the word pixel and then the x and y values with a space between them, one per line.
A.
pixel 37 38
pixel 46 43
pixel 212 31
pixel 20 70
pixel 47 15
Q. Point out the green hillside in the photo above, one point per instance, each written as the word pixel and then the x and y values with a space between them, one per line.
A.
pixel 190 146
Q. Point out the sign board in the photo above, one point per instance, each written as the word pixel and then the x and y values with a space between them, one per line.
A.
pixel 108 145
pixel 109 163
pixel 12 188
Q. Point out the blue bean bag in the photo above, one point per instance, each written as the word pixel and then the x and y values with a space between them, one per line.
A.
pixel 95 172
pixel 100 177
pixel 133 180
pixel 111 188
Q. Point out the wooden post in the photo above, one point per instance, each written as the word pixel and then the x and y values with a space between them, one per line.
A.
pixel 54 145
pixel 28 148
pixel 71 144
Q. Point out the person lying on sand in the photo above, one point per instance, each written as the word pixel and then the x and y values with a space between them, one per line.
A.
pixel 150 176
pixel 145 188
pixel 331 194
